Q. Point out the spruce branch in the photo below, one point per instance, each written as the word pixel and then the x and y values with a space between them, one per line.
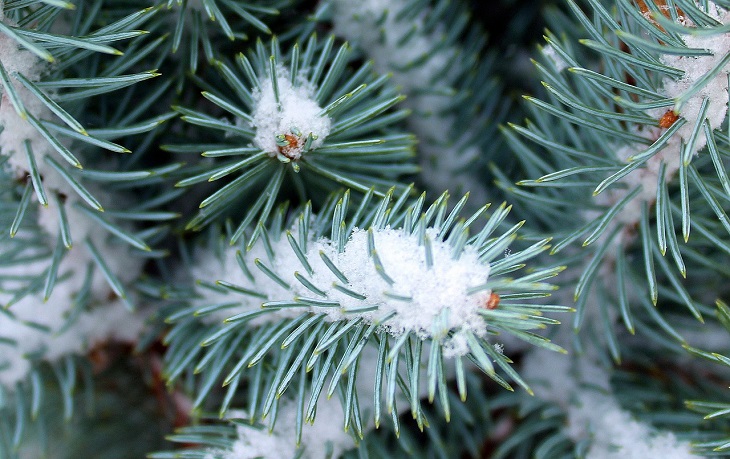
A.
pixel 32 89
pixel 65 284
pixel 403 281
pixel 650 144
pixel 300 120
pixel 193 32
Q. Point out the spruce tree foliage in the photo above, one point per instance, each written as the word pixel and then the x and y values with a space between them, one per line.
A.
pixel 306 229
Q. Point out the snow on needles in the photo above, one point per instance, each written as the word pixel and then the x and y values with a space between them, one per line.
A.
pixel 615 434
pixel 15 128
pixel 325 438
pixel 34 327
pixel 582 388
pixel 696 68
pixel 690 99
pixel 430 302
pixel 284 125
pixel 556 59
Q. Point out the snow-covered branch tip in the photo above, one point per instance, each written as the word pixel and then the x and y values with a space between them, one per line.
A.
pixel 657 101
pixel 288 121
pixel 581 387
pixel 410 281
pixel 317 126
pixel 669 114
pixel 428 276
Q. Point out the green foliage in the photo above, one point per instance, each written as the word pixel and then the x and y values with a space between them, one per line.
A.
pixel 312 347
pixel 614 163
pixel 361 150
pixel 153 188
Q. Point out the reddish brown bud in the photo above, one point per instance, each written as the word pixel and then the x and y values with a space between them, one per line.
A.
pixel 667 119
pixel 493 301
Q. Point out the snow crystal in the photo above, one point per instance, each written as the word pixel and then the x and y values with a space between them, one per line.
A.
pixel 429 302
pixel 293 118
pixel 553 56
pixel 442 288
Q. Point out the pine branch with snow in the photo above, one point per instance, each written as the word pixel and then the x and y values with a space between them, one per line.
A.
pixel 212 230
pixel 405 279
pixel 298 120
pixel 649 167
pixel 71 246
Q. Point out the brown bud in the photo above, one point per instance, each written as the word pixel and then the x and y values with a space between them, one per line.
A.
pixel 667 119
pixel 493 301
